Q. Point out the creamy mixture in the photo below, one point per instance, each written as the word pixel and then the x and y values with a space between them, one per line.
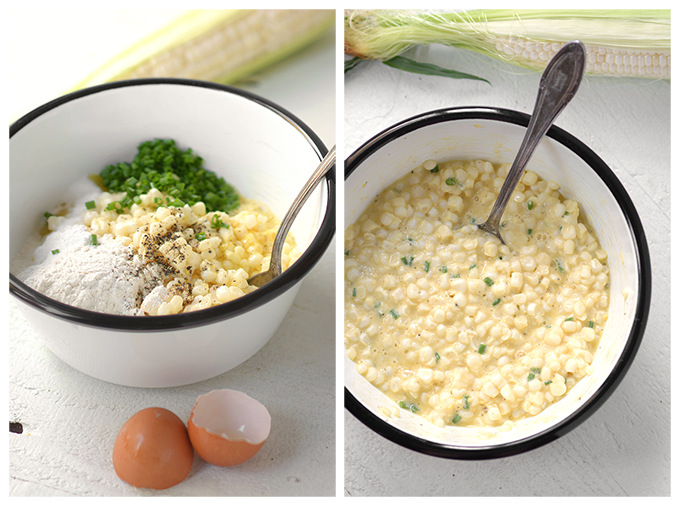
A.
pixel 151 259
pixel 455 326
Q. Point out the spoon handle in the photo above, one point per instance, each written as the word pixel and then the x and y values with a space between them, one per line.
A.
pixel 307 189
pixel 559 83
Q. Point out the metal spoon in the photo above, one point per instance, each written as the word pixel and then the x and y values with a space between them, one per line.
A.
pixel 559 83
pixel 277 249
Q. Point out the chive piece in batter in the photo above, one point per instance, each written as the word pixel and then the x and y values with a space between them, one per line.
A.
pixel 394 314
pixel 496 302
pixel 488 281
pixel 481 349
pixel 456 418
pixel 408 406
pixel 427 266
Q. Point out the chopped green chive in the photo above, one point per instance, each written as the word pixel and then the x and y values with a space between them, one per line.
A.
pixel 394 314
pixel 466 406
pixel 407 261
pixel 456 418
pixel 161 164
pixel 547 382
pixel 566 213
pixel 216 223
pixel 354 292
pixel 559 266
pixel 93 239
pixel 529 231
pixel 472 267
pixel 531 376
pixel 530 205
pixel 436 356
pixel 200 236
pixel 436 169
pixel 481 349
pixel 55 251
pixel 444 269
pixel 90 205
pixel 347 253
pixel 47 215
pixel 496 302
pixel 451 181
pixel 408 406
pixel 488 281
pixel 473 220
pixel 427 266
pixel 591 324
pixel 570 319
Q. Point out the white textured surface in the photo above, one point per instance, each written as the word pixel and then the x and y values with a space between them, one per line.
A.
pixel 71 420
pixel 624 448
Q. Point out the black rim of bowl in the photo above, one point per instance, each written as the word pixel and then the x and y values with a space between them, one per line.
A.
pixel 424 446
pixel 250 301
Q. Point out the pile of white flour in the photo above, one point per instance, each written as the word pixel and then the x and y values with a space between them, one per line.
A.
pixel 107 278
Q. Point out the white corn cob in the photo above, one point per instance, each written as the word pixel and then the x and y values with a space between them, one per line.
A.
pixel 218 45
pixel 602 60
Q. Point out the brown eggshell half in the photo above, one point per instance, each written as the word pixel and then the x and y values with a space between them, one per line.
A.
pixel 153 450
pixel 227 427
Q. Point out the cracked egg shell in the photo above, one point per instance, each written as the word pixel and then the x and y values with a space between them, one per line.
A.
pixel 153 450
pixel 227 427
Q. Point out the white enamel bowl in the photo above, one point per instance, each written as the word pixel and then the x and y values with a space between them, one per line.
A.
pixel 495 135
pixel 262 150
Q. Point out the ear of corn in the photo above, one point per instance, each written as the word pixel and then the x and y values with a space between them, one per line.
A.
pixel 618 42
pixel 218 45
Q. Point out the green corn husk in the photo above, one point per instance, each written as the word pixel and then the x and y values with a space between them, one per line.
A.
pixel 618 42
